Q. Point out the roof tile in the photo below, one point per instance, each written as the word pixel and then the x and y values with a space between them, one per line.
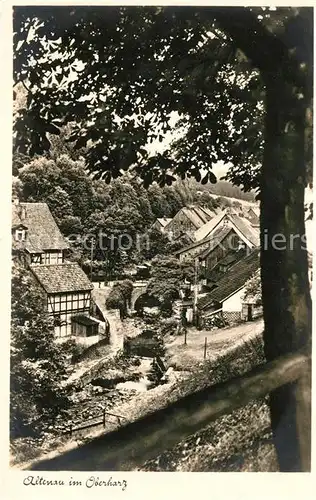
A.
pixel 60 278
pixel 43 232
pixel 233 279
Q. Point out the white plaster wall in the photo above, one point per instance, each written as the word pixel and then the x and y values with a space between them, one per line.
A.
pixel 87 341
pixel 234 303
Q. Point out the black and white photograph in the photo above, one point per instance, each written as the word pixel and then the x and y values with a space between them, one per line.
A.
pixel 162 240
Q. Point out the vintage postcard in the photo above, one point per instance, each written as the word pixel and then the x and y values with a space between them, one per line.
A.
pixel 161 244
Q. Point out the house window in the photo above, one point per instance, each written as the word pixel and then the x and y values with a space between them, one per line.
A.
pixel 20 235
pixel 36 258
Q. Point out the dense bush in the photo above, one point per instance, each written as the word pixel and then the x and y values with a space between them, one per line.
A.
pixel 38 364
pixel 144 347
pixel 215 321
pixel 168 326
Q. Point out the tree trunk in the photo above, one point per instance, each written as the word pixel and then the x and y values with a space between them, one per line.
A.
pixel 284 268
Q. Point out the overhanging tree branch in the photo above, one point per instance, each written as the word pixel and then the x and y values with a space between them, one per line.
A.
pixel 265 50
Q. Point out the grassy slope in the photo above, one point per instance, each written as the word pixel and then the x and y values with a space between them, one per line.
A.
pixel 245 433
pixel 240 441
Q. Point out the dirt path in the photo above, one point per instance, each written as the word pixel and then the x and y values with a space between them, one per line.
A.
pixel 231 334
pixel 182 356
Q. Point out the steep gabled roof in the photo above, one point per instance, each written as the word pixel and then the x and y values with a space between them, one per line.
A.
pixel 233 280
pixel 61 278
pixel 256 210
pixel 250 232
pixel 243 227
pixel 163 221
pixel 207 228
pixel 42 230
pixel 212 241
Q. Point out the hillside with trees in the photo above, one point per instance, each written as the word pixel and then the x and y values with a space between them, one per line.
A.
pixel 84 208
pixel 241 81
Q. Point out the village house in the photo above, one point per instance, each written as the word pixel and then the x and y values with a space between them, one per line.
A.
pixel 227 297
pixel 188 220
pixel 210 276
pixel 161 223
pixel 227 234
pixel 253 215
pixel 243 227
pixel 38 244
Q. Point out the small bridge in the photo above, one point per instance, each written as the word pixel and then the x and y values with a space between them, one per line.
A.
pixel 140 287
pixel 100 294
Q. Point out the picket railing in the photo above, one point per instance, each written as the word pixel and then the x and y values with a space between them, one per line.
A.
pixel 96 421
pixel 131 445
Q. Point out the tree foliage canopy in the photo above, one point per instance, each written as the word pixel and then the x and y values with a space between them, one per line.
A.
pixel 167 276
pixel 252 291
pixel 38 363
pixel 125 74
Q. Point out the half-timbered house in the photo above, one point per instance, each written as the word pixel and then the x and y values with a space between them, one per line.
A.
pixel 68 293
pixel 243 227
pixel 36 238
pixel 38 243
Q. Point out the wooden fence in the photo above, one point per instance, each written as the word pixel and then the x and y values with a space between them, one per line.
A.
pixel 99 419
pixel 131 445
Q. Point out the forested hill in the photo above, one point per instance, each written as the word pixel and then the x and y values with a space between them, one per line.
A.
pixel 84 206
pixel 224 188
pixel 75 198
